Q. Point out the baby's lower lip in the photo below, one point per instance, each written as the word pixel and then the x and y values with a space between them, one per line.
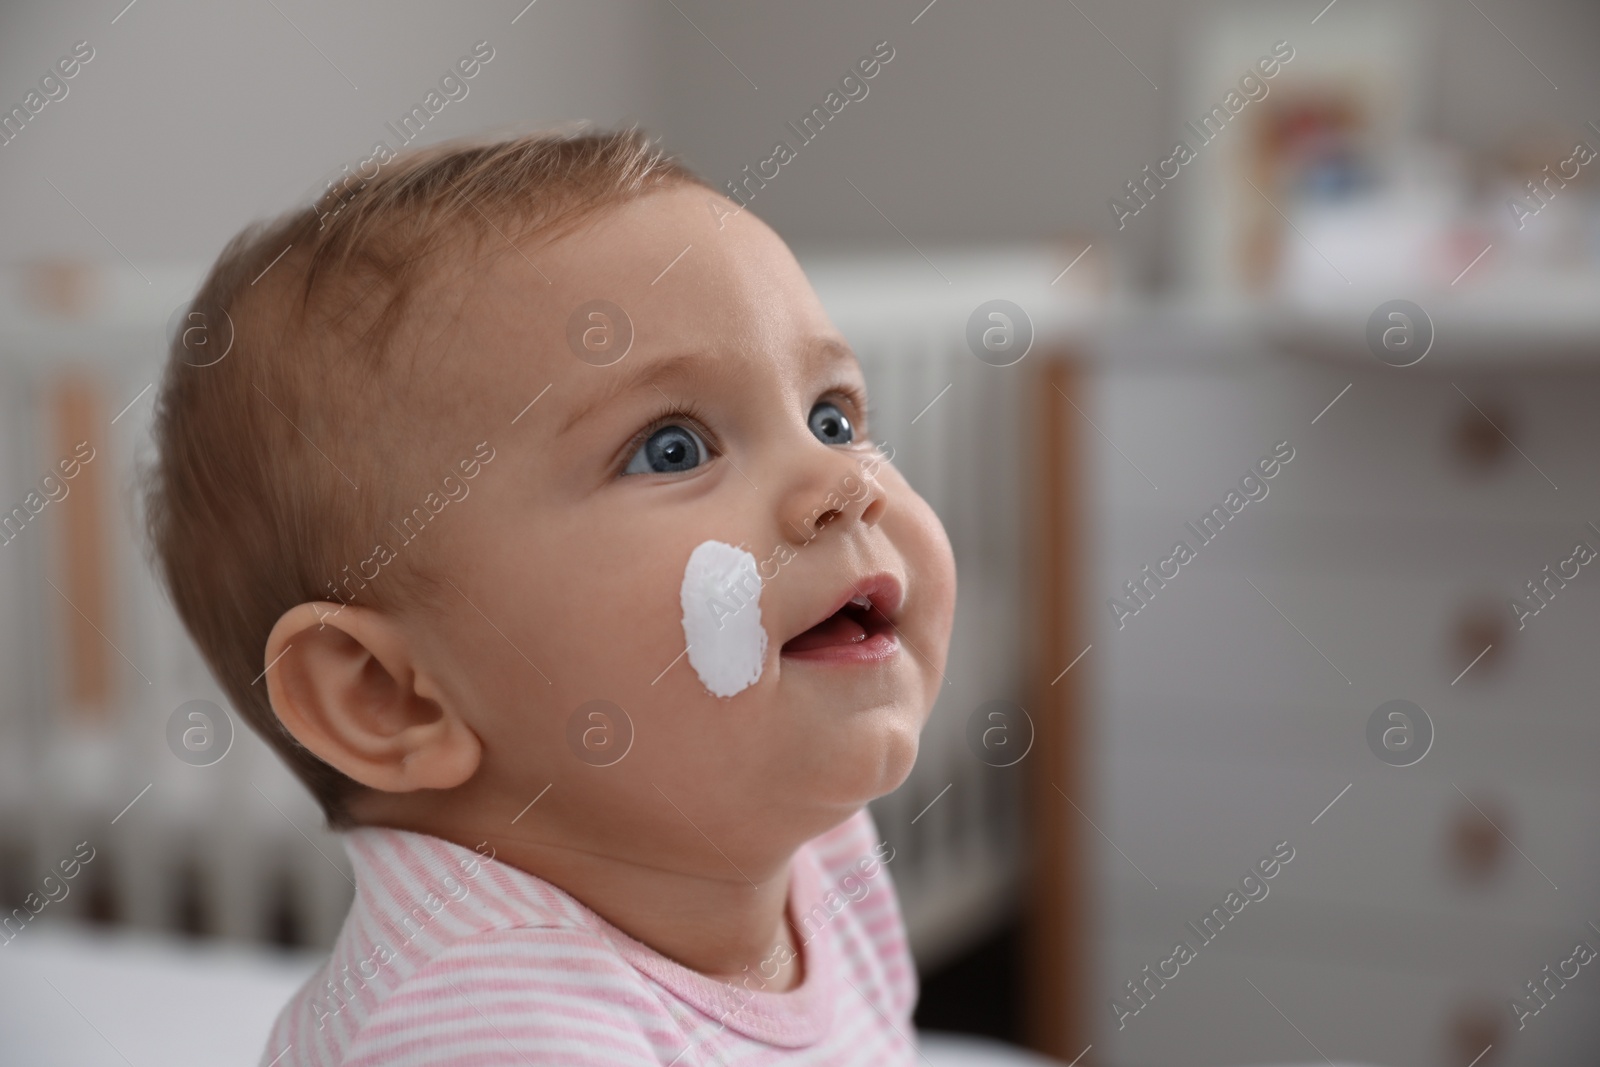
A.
pixel 874 648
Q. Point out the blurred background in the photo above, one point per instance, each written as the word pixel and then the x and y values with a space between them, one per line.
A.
pixel 1372 269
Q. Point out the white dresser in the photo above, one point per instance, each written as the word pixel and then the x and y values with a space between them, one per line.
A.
pixel 1232 709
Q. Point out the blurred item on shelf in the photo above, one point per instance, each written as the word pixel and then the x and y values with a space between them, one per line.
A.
pixel 69 288
pixel 1324 130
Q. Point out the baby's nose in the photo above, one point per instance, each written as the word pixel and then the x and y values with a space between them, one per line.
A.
pixel 839 489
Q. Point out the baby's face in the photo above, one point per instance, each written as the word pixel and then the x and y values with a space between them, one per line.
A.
pixel 570 551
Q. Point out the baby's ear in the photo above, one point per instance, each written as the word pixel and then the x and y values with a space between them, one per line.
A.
pixel 345 682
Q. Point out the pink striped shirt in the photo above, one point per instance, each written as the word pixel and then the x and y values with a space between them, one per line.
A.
pixel 449 958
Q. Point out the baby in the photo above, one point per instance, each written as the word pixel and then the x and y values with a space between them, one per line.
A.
pixel 521 495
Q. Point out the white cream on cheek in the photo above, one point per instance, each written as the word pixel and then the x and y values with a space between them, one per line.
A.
pixel 721 600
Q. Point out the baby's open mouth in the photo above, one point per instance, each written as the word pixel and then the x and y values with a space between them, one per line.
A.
pixel 860 626
pixel 851 624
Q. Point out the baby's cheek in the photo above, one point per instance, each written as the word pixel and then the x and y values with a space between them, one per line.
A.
pixel 931 561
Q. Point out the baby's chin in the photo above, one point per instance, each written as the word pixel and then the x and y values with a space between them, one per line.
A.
pixel 851 756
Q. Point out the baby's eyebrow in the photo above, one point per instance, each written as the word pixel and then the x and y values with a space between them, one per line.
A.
pixel 821 352
pixel 639 376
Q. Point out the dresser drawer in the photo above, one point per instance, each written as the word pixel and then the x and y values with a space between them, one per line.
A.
pixel 1329 1007
pixel 1397 443
pixel 1266 620
pixel 1424 845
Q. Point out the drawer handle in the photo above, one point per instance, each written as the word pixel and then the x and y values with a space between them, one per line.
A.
pixel 1475 1026
pixel 1476 846
pixel 1479 630
pixel 1481 439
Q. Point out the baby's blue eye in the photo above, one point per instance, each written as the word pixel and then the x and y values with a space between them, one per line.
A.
pixel 671 448
pixel 830 425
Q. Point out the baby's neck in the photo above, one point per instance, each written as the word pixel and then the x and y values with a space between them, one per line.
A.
pixel 734 927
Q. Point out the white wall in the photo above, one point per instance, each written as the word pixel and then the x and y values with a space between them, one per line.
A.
pixel 995 121
pixel 193 118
